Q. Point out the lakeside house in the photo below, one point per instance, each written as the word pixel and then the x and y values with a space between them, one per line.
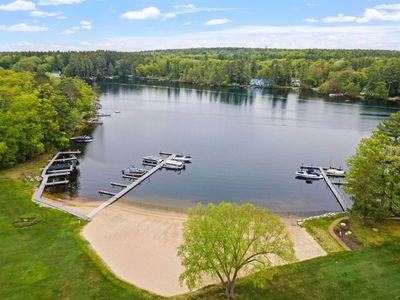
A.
pixel 56 73
pixel 258 82
pixel 295 83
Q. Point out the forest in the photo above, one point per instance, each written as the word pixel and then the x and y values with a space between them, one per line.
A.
pixel 39 113
pixel 354 73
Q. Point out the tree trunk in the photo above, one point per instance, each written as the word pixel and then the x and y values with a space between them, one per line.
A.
pixel 230 290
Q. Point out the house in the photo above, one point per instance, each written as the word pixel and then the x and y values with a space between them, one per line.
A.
pixel 258 82
pixel 296 83
pixel 56 73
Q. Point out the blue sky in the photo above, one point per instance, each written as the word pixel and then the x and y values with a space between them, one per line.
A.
pixel 142 25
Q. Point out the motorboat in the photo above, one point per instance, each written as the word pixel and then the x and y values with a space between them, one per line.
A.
pixel 309 174
pixel 174 165
pixel 82 139
pixel 183 158
pixel 335 172
pixel 152 160
pixel 133 171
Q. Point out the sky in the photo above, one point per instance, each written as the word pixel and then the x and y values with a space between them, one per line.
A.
pixel 133 25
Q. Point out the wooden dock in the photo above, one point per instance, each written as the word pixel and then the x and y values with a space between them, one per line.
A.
pixel 342 202
pixel 128 188
pixel 37 196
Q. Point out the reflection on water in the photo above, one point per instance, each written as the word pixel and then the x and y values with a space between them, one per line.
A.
pixel 246 143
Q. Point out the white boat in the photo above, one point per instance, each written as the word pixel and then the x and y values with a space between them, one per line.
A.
pixel 82 139
pixel 152 160
pixel 183 158
pixel 133 171
pixel 309 174
pixel 335 172
pixel 174 165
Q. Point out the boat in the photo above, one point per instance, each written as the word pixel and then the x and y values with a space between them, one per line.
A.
pixel 152 160
pixel 309 174
pixel 82 139
pixel 183 158
pixel 335 172
pixel 133 171
pixel 174 165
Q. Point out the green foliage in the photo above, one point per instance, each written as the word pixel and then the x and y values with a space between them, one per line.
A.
pixel 369 274
pixel 373 179
pixel 373 73
pixel 38 114
pixel 225 240
pixel 318 228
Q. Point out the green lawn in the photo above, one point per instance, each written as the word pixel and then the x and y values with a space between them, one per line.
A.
pixel 370 273
pixel 48 260
pixel 318 228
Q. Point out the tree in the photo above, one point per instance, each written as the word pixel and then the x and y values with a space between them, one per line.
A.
pixel 365 180
pixel 226 240
pixel 391 127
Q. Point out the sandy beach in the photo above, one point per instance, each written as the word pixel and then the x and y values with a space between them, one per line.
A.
pixel 139 245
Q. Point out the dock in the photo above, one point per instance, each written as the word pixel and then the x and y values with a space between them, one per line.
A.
pixel 118 184
pixel 342 202
pixel 37 196
pixel 128 188
pixel 107 193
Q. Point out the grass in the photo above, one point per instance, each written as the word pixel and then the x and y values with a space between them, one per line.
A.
pixel 42 256
pixel 29 168
pixel 370 273
pixel 377 233
pixel 318 228
pixel 48 259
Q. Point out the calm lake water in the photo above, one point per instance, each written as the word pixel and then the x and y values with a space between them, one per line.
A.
pixel 246 144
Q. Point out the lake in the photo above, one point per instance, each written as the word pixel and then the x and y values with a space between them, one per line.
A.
pixel 246 144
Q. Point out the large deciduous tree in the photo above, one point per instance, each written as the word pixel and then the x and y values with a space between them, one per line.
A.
pixel 228 240
pixel 373 179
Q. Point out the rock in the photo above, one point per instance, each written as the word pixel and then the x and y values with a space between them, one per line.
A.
pixel 375 229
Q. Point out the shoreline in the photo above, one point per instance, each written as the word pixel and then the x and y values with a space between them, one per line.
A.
pixel 139 244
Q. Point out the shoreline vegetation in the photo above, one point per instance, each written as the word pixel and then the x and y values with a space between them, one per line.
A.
pixel 365 74
pixel 53 261
pixel 39 113
pixel 42 251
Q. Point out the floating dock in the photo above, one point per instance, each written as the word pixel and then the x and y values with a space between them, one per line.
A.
pixel 128 188
pixel 342 202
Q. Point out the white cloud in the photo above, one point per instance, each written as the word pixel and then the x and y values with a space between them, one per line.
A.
pixel 69 31
pixel 153 13
pixel 382 12
pixel 148 13
pixel 395 6
pixel 185 6
pixel 62 17
pixel 187 23
pixel 214 22
pixel 40 13
pixel 82 25
pixel 23 27
pixel 86 24
pixel 311 20
pixel 340 18
pixel 59 2
pixel 291 37
pixel 18 5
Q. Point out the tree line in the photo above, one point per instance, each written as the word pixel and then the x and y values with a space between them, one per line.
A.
pixel 39 112
pixel 356 73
